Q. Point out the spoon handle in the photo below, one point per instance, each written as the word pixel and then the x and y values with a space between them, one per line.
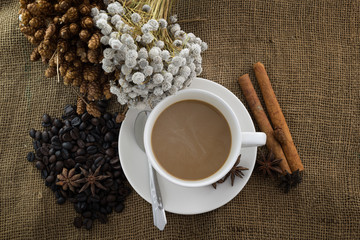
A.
pixel 157 206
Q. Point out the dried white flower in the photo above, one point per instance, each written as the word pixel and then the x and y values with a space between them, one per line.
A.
pixel 160 44
pixel 135 17
pixel 119 25
pixel 173 18
pixel 147 38
pixel 146 8
pixel 125 70
pixel 94 12
pixel 154 25
pixel 204 46
pixel 146 28
pixel 165 55
pixel 157 60
pixel 178 61
pixel 154 51
pixel 131 54
pixel 173 69
pixel 106 29
pixel 109 53
pixel 165 86
pixel 168 77
pixel 185 71
pixel 115 19
pixel 143 53
pixel 158 91
pixel 173 90
pixel 115 8
pixel 115 43
pixel 130 63
pixel 174 28
pixel 143 63
pixel 105 40
pixel 148 71
pixel 138 38
pixel 158 78
pixel 195 49
pixel 133 94
pixel 177 43
pixel 138 78
pixel 101 23
pixel 180 34
pixel 163 23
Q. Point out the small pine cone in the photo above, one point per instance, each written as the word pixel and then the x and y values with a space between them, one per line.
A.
pixel 56 20
pixel 117 74
pixel 25 16
pixel 80 106
pixel 27 30
pixel 87 22
pixel 62 46
pixel 50 31
pixel 106 91
pixel 34 9
pixel 91 73
pixel 76 81
pixel 93 55
pixel 84 9
pixel 67 81
pixel 39 34
pixel 45 7
pixel 65 32
pixel 74 28
pixel 33 40
pixel 36 22
pixel 72 73
pixel 63 68
pixel 57 7
pixel 83 87
pixel 103 79
pixel 84 35
pixel 93 110
pixel 52 61
pixel 23 3
pixel 64 5
pixel 77 63
pixel 35 55
pixel 69 56
pixel 94 91
pixel 70 16
pixel 50 72
pixel 81 52
pixel 94 41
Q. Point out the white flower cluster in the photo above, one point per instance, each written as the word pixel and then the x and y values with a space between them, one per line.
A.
pixel 149 68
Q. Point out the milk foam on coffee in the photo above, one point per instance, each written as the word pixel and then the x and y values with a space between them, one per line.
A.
pixel 191 140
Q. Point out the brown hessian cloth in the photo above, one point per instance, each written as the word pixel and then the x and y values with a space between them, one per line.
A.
pixel 311 50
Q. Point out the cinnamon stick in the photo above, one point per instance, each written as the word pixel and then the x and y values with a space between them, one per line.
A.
pixel 262 120
pixel 277 117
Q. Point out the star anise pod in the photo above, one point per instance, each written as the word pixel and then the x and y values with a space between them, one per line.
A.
pixel 68 179
pixel 92 179
pixel 234 171
pixel 269 165
pixel 289 181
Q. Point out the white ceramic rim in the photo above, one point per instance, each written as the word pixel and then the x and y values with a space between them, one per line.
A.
pixel 218 103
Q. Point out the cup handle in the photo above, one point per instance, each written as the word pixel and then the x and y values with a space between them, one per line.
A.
pixel 253 139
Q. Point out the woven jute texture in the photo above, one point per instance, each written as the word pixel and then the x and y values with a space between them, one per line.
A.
pixel 311 50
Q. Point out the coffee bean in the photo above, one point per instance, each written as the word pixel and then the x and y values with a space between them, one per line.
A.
pixel 90 138
pixel 50 179
pixel 46 118
pixel 86 214
pixel 69 163
pixel 44 151
pixel 80 159
pixel 119 208
pixel 52 159
pixel 45 136
pixel 55 139
pixel 78 222
pixel 45 160
pixel 60 200
pixel 99 161
pixel 75 134
pixel 58 154
pixel 69 110
pixel 114 161
pixel 83 135
pixel 111 198
pixel 44 173
pixel 65 130
pixel 74 148
pixel 32 133
pixel 89 127
pixel 85 116
pixel 82 126
pixel 91 149
pixel 30 157
pixel 65 154
pixel 66 137
pixel 110 152
pixel 75 122
pixel 109 137
pixel 88 223
pixel 39 165
pixel 107 116
pixel 95 121
pixel 67 145
pixel 54 130
pixel 38 135
pixel 80 152
pixel 110 124
pixel 59 166
pixel 114 145
pixel 57 123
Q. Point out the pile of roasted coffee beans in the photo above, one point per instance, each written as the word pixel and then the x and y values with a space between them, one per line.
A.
pixel 78 159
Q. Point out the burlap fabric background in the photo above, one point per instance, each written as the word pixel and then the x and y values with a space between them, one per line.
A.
pixel 312 53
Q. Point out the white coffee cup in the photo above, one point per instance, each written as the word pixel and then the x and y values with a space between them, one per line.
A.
pixel 238 139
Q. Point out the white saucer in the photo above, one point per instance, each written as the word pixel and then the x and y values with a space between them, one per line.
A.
pixel 178 199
